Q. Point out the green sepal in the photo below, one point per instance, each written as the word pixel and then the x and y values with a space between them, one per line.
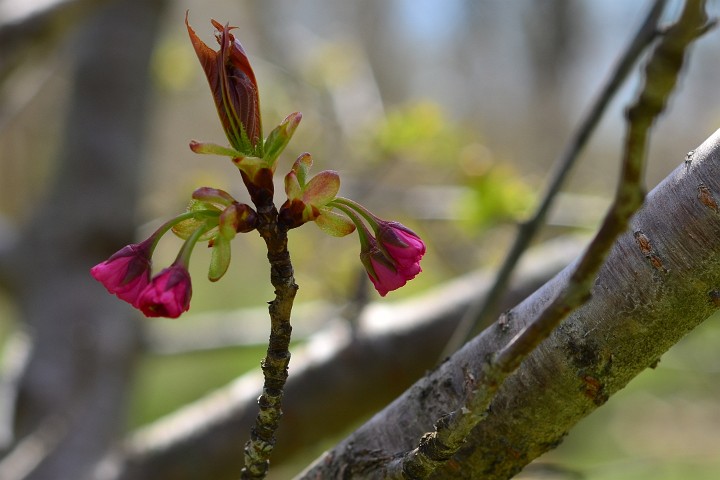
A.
pixel 219 258
pixel 334 223
pixel 214 149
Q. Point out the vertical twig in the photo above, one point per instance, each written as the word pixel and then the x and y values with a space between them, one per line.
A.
pixel 480 313
pixel 661 74
pixel 275 364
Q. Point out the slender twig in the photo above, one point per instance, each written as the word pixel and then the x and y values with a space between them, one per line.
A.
pixel 275 364
pixel 661 74
pixel 481 313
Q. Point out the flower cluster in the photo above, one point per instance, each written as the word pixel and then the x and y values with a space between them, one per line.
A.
pixel 390 252
pixel 391 256
pixel 212 215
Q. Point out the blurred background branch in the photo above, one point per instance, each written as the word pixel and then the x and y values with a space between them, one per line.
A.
pixel 72 391
pixel 483 312
pixel 35 28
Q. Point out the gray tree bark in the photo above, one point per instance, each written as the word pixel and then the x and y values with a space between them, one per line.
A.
pixel 661 279
pixel 70 400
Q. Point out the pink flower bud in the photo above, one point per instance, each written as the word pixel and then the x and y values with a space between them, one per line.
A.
pixel 401 243
pixel 168 294
pixel 127 272
pixel 386 272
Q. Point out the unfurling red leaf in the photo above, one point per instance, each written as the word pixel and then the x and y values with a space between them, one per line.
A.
pixel 234 88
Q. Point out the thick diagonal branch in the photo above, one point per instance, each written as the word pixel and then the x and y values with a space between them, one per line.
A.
pixel 661 74
pixel 476 382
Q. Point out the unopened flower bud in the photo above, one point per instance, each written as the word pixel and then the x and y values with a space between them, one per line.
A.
pixel 234 88
pixel 168 294
pixel 127 272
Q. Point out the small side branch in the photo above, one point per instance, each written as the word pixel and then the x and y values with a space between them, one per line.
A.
pixel 277 359
pixel 661 74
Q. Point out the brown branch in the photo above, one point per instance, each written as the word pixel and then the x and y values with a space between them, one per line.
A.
pixel 661 75
pixel 277 359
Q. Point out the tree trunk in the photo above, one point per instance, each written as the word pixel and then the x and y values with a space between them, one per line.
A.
pixel 70 402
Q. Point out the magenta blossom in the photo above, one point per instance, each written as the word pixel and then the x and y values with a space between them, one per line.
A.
pixel 391 256
pixel 386 272
pixel 401 243
pixel 127 272
pixel 168 294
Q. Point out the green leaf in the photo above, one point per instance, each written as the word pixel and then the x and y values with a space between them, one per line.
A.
pixel 212 198
pixel 187 227
pixel 250 165
pixel 280 137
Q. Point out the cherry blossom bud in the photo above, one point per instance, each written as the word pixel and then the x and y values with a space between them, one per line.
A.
pixel 385 274
pixel 127 272
pixel 168 294
pixel 392 256
pixel 401 243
